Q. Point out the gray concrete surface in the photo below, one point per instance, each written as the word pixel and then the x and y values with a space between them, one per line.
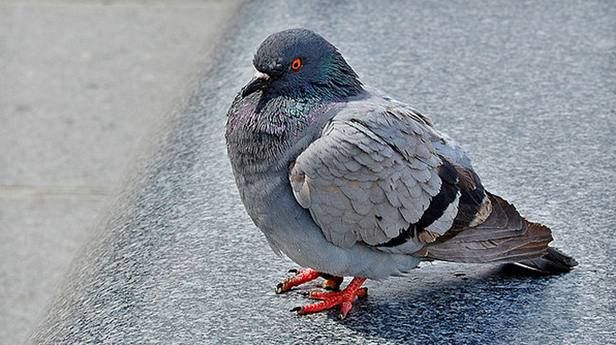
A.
pixel 527 88
pixel 82 85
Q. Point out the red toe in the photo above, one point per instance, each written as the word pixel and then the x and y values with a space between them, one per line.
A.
pixel 343 298
pixel 299 278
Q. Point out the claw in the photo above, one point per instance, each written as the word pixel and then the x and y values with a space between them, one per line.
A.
pixel 345 307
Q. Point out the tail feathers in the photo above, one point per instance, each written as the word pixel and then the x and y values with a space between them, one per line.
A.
pixel 553 262
pixel 531 244
pixel 504 237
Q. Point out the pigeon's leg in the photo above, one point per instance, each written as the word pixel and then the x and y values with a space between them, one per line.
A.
pixel 331 282
pixel 343 298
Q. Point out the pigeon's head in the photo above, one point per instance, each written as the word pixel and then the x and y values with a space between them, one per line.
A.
pixel 300 64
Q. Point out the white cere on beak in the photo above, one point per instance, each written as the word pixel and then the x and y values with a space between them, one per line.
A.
pixel 261 75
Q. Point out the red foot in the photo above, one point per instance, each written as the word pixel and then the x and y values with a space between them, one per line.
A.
pixel 343 298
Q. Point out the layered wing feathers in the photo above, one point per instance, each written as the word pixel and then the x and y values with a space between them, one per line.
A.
pixel 370 178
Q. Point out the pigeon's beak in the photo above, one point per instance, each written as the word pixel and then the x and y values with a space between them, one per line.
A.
pixel 257 83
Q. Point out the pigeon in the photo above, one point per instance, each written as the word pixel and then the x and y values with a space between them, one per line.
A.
pixel 349 182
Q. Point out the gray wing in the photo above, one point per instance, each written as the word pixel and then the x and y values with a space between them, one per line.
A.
pixel 371 177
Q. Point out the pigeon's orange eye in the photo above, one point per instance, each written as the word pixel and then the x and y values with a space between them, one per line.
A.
pixel 296 64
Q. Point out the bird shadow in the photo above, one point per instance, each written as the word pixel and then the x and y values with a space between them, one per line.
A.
pixel 466 305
